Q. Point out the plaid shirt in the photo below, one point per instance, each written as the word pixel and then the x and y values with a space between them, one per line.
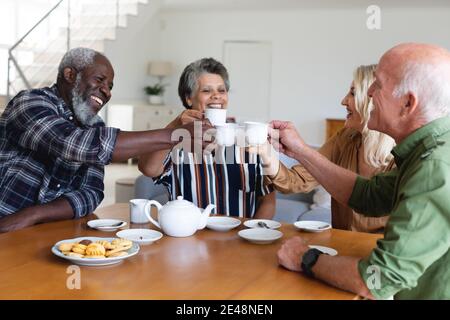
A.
pixel 46 155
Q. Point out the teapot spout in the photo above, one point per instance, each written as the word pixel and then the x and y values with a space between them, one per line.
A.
pixel 204 217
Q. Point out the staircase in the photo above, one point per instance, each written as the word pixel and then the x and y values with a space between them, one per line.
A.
pixel 33 61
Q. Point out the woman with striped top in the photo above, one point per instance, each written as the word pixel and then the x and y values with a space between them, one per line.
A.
pixel 229 177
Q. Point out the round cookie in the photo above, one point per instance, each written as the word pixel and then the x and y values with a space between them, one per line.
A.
pixel 74 255
pixel 122 242
pixel 67 246
pixel 95 249
pixel 79 248
pixel 118 249
pixel 108 245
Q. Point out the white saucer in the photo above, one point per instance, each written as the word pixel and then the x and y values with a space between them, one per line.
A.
pixel 254 223
pixel 312 226
pixel 260 235
pixel 141 236
pixel 104 224
pixel 327 250
pixel 222 223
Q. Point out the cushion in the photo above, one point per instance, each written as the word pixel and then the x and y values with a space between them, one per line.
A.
pixel 317 214
pixel 321 198
pixel 289 211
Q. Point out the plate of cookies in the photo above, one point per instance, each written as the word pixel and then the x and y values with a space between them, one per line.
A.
pixel 94 251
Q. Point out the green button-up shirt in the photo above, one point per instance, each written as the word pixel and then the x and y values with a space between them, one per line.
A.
pixel 412 261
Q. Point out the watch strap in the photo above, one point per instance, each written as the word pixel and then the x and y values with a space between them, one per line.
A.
pixel 309 259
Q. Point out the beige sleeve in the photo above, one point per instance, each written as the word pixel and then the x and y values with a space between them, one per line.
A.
pixel 298 179
pixel 294 180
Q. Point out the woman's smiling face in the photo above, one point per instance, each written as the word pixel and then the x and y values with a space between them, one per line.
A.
pixel 211 93
pixel 354 120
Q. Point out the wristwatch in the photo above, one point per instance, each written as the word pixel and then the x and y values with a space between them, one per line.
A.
pixel 309 260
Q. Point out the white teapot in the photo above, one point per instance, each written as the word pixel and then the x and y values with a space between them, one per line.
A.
pixel 178 218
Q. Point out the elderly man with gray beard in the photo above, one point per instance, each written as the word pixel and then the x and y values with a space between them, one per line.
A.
pixel 54 146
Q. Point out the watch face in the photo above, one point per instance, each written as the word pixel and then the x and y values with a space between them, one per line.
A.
pixel 311 256
pixel 309 260
pixel 308 257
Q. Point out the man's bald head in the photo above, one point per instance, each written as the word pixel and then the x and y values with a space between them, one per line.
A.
pixel 424 70
pixel 420 52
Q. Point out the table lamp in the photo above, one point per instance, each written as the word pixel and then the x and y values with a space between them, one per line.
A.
pixel 159 69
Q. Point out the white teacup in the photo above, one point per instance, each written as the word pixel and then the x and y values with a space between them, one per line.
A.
pixel 240 135
pixel 225 135
pixel 256 133
pixel 137 212
pixel 216 116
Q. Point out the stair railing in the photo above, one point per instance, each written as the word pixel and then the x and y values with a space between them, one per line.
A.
pixel 12 59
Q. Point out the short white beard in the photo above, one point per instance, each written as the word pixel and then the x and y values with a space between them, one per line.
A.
pixel 83 112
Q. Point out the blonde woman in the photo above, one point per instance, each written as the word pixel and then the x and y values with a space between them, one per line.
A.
pixel 355 147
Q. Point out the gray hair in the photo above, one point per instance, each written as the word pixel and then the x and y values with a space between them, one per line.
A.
pixel 77 58
pixel 188 83
pixel 431 84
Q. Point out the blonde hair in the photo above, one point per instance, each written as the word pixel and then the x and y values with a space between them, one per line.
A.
pixel 377 145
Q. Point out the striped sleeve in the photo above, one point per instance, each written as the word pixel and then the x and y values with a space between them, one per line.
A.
pixel 39 127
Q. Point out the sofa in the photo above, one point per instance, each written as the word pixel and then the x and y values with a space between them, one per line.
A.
pixel 312 206
pixel 289 207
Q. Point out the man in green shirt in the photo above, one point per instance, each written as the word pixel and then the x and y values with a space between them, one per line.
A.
pixel 411 97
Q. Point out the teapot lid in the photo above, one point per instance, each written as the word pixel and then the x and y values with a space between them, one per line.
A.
pixel 180 203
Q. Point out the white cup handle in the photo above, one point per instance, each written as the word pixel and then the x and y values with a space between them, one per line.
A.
pixel 148 211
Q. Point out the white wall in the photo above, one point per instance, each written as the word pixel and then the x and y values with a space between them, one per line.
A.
pixel 314 51
pixel 130 53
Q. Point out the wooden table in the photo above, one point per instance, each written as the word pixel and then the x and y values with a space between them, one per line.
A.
pixel 207 265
